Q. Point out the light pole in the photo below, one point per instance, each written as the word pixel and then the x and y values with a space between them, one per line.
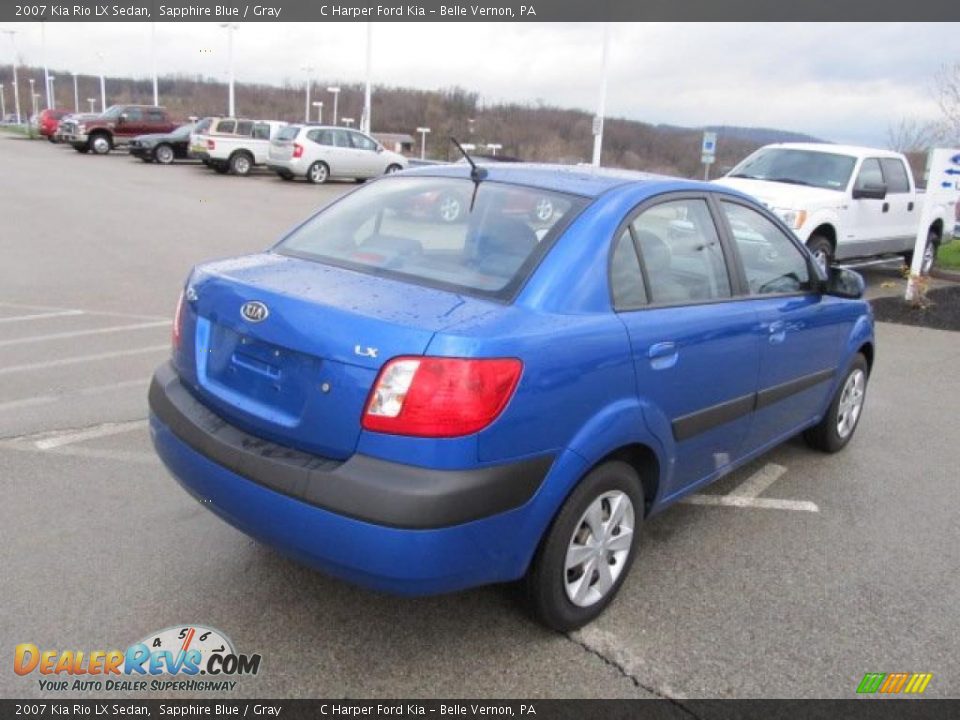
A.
pixel 493 147
pixel 51 95
pixel 33 98
pixel 365 122
pixel 103 85
pixel 347 121
pixel 230 28
pixel 336 94
pixel 16 85
pixel 92 102
pixel 602 103
pixel 153 62
pixel 46 72
pixel 308 69
pixel 423 141
pixel 3 105
pixel 318 104
pixel 76 95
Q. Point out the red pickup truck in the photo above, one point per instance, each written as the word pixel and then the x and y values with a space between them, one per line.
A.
pixel 117 126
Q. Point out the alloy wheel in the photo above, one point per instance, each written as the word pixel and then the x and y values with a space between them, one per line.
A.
pixel 598 549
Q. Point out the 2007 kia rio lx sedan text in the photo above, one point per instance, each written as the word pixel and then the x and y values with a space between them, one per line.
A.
pixel 421 406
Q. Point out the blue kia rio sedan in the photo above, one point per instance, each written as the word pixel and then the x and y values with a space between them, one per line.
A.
pixel 421 401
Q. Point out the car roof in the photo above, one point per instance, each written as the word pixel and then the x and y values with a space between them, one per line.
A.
pixel 858 150
pixel 584 180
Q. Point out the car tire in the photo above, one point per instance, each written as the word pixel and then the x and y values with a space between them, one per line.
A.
pixel 164 154
pixel 822 251
pixel 929 253
pixel 392 168
pixel 146 159
pixel 221 168
pixel 241 164
pixel 100 144
pixel 840 422
pixel 564 594
pixel 50 138
pixel 359 181
pixel 288 176
pixel 82 150
pixel 318 173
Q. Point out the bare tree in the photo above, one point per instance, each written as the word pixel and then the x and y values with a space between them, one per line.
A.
pixel 910 135
pixel 947 84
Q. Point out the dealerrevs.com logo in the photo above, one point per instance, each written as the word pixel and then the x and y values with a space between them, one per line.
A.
pixel 185 657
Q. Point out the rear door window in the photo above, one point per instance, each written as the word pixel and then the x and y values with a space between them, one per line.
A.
pixel 362 142
pixel 626 278
pixel 226 126
pixel 245 128
pixel 261 131
pixel 394 227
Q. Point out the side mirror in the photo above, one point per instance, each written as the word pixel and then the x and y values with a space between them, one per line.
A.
pixel 870 192
pixel 379 148
pixel 122 118
pixel 844 283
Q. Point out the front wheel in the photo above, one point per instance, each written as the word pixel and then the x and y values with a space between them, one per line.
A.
pixel 100 144
pixel 391 169
pixel 822 252
pixel 588 550
pixel 836 428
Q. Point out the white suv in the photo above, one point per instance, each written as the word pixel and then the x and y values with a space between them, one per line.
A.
pixel 319 153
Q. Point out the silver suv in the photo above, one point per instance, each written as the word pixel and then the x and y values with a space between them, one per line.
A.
pixel 319 153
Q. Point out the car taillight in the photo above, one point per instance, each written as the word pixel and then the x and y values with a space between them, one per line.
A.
pixel 297 150
pixel 440 397
pixel 178 323
pixel 211 145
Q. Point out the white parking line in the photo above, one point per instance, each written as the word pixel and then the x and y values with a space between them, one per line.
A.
pixel 746 494
pixel 74 436
pixel 80 333
pixel 83 392
pixel 83 358
pixel 40 316
pixel 756 484
pixel 127 456
pixel 133 316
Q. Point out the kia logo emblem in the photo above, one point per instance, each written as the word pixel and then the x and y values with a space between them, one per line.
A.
pixel 254 311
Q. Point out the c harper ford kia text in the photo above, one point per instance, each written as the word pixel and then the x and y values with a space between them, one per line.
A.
pixel 421 405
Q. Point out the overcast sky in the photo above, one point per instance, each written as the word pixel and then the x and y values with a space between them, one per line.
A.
pixel 844 82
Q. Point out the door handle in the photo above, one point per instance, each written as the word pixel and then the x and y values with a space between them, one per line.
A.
pixel 909 207
pixel 778 332
pixel 663 355
pixel 886 207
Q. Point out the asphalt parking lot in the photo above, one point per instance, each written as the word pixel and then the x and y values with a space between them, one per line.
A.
pixel 790 578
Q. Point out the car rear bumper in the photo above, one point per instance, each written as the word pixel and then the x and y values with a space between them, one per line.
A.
pixel 380 524
pixel 294 166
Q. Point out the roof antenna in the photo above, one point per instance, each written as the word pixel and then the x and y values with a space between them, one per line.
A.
pixel 477 174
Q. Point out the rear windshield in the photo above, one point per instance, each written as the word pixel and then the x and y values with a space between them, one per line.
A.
pixel 423 230
pixel 288 133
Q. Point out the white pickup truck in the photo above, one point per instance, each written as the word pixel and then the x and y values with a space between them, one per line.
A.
pixel 236 153
pixel 848 204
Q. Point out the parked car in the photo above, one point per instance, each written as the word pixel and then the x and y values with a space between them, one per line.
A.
pixel 216 126
pixel 239 153
pixel 846 203
pixel 319 153
pixel 421 407
pixel 116 127
pixel 48 121
pixel 68 124
pixel 453 207
pixel 163 148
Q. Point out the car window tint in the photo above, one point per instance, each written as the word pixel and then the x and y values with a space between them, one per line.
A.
pixel 895 175
pixel 261 131
pixel 771 261
pixel 340 138
pixel 226 126
pixel 362 142
pixel 870 174
pixel 423 230
pixel 681 252
pixel 626 280
pixel 156 116
pixel 244 127
pixel 134 115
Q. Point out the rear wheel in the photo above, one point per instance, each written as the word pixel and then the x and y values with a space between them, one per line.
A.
pixel 822 251
pixel 221 167
pixel 318 173
pixel 286 175
pixel 100 144
pixel 164 154
pixel 391 169
pixel 836 428
pixel 588 550
pixel 241 163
